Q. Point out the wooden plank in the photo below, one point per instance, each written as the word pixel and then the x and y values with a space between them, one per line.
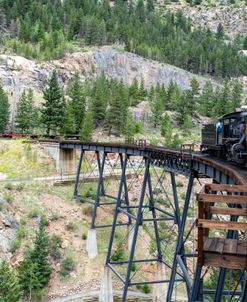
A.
pixel 206 243
pixel 228 211
pixel 222 225
pixel 215 245
pixel 230 246
pixel 225 261
pixel 222 198
pixel 242 248
pixel 227 188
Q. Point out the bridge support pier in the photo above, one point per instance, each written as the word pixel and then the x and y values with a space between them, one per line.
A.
pixel 160 289
pixel 91 245
pixel 106 291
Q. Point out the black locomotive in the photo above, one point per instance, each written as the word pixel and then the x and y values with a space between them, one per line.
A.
pixel 227 139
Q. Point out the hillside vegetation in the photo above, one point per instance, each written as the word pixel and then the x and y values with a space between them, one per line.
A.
pixel 47 29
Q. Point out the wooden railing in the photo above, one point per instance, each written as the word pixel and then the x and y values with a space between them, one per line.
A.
pixel 222 200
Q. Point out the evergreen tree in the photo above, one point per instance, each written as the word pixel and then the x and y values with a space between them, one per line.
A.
pixel 114 117
pixel 4 110
pixel 99 100
pixel 29 280
pixel 207 99
pixel 220 32
pixel 134 92
pixel 53 109
pixel 40 254
pixel 166 128
pixel 10 290
pixel 87 127
pixel 156 109
pixel 26 114
pixel 78 102
pixel 69 120
pixel 245 43
pixel 236 95
pixel 195 87
pixel 222 104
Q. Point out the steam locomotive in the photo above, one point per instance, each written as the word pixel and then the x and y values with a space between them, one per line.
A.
pixel 227 139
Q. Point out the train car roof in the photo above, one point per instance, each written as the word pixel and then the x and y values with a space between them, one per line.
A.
pixel 234 115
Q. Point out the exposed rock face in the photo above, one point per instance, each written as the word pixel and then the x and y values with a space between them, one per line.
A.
pixel 7 234
pixel 18 73
pixel 233 19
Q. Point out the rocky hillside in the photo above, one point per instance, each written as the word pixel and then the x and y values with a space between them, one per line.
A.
pixel 210 13
pixel 18 73
pixel 233 19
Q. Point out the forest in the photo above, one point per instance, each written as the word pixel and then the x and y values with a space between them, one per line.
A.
pixel 106 103
pixel 47 29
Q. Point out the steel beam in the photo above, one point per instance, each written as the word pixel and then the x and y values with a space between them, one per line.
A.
pixel 78 174
pixel 179 246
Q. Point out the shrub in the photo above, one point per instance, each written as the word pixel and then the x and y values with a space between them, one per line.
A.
pixel 55 243
pixel 71 226
pixel 9 286
pixel 8 186
pixel 144 288
pixel 55 216
pixel 19 187
pixel 180 184
pixel 33 213
pixel 15 245
pixel 119 253
pixel 8 197
pixel 88 211
pixel 68 265
pixel 84 236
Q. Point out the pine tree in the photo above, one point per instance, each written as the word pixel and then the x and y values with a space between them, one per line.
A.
pixel 40 255
pixel 220 32
pixel 10 290
pixel 69 120
pixel 53 108
pixel 156 109
pixel 195 87
pixel 245 43
pixel 35 270
pixel 29 281
pixel 207 99
pixel 166 128
pixel 78 102
pixel 134 92
pixel 114 117
pixel 26 113
pixel 99 100
pixel 4 110
pixel 87 127
pixel 236 94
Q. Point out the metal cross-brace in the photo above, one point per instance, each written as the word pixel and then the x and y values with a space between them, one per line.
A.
pixel 179 258
pixel 101 158
pixel 146 190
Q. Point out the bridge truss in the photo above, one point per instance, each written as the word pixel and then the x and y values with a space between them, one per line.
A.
pixel 149 167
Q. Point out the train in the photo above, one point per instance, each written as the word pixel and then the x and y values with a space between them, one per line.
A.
pixel 227 138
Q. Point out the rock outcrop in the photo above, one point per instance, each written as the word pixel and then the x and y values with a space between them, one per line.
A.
pixel 18 73
pixel 232 18
pixel 7 234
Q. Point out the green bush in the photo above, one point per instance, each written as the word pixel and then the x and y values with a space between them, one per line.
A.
pixel 8 186
pixel 8 197
pixel 68 265
pixel 84 236
pixel 119 253
pixel 71 226
pixel 33 213
pixel 19 187
pixel 55 243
